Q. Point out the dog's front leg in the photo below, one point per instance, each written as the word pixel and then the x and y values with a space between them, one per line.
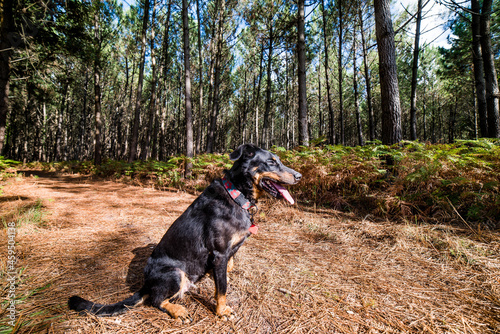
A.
pixel 220 280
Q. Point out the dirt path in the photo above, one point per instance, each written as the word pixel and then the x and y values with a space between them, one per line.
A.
pixel 305 271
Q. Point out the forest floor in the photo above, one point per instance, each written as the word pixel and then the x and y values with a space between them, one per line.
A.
pixel 306 271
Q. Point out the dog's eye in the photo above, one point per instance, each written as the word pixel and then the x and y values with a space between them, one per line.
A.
pixel 272 162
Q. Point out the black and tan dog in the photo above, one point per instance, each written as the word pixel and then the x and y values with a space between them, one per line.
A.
pixel 206 236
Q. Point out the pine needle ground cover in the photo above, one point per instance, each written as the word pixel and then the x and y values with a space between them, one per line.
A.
pixel 383 240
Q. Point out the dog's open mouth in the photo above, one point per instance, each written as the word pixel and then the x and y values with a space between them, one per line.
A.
pixel 276 190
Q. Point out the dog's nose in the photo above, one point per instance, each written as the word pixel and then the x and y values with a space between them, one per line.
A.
pixel 298 176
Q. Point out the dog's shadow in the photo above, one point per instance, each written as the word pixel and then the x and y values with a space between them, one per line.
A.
pixel 135 274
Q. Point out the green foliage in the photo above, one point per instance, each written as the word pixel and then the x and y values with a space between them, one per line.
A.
pixel 7 163
pixel 169 173
pixel 4 165
pixel 413 179
pixel 400 181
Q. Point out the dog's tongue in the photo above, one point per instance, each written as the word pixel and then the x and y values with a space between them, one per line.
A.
pixel 284 193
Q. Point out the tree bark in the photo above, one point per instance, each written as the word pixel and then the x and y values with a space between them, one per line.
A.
pixel 340 75
pixel 200 61
pixel 361 141
pixel 216 84
pixel 371 121
pixel 188 110
pixel 146 145
pixel 243 128
pixel 391 108
pixel 477 60
pixel 58 135
pixel 413 94
pixel 331 123
pixel 320 112
pixel 97 110
pixel 267 110
pixel 490 75
pixel 6 27
pixel 256 94
pixel 138 102
pixel 301 47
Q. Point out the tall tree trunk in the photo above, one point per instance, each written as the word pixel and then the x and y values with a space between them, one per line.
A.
pixel 60 112
pixel 490 74
pixel 83 130
pixel 287 99
pixel 188 110
pixel 43 151
pixel 97 87
pixel 451 120
pixel 477 60
pixel 340 74
pixel 216 88
pixel 6 27
pixel 165 67
pixel 211 81
pixel 331 123
pixel 391 108
pixel 215 105
pixel 138 102
pixel 211 77
pixel 242 134
pixel 320 111
pixel 301 47
pixel 200 104
pixel 265 130
pixel 166 30
pixel 371 121
pixel 424 113
pixel 361 141
pixel 256 95
pixel 414 74
pixel 146 145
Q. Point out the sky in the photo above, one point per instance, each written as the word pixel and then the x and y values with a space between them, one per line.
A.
pixel 433 21
pixel 432 28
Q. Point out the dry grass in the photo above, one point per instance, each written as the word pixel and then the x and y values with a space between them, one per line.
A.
pixel 307 271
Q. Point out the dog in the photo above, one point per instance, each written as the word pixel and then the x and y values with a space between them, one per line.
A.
pixel 204 239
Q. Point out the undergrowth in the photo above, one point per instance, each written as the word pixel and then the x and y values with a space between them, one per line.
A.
pixel 413 180
pixel 6 168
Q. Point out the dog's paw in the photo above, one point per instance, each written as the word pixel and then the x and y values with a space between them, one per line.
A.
pixel 184 319
pixel 179 313
pixel 226 313
pixel 183 316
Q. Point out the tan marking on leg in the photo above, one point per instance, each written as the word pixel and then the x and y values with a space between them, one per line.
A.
pixel 222 309
pixel 175 310
pixel 184 285
pixel 141 301
pixel 230 265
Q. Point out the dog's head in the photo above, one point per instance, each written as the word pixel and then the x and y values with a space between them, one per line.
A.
pixel 262 171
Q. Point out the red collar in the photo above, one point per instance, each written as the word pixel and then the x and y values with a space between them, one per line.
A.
pixel 236 195
pixel 240 199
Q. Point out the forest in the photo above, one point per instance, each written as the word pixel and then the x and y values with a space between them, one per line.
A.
pixel 94 80
pixel 116 114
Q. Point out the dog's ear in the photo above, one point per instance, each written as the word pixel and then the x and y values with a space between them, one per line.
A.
pixel 242 150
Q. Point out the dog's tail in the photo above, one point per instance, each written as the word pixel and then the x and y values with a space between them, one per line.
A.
pixel 80 305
